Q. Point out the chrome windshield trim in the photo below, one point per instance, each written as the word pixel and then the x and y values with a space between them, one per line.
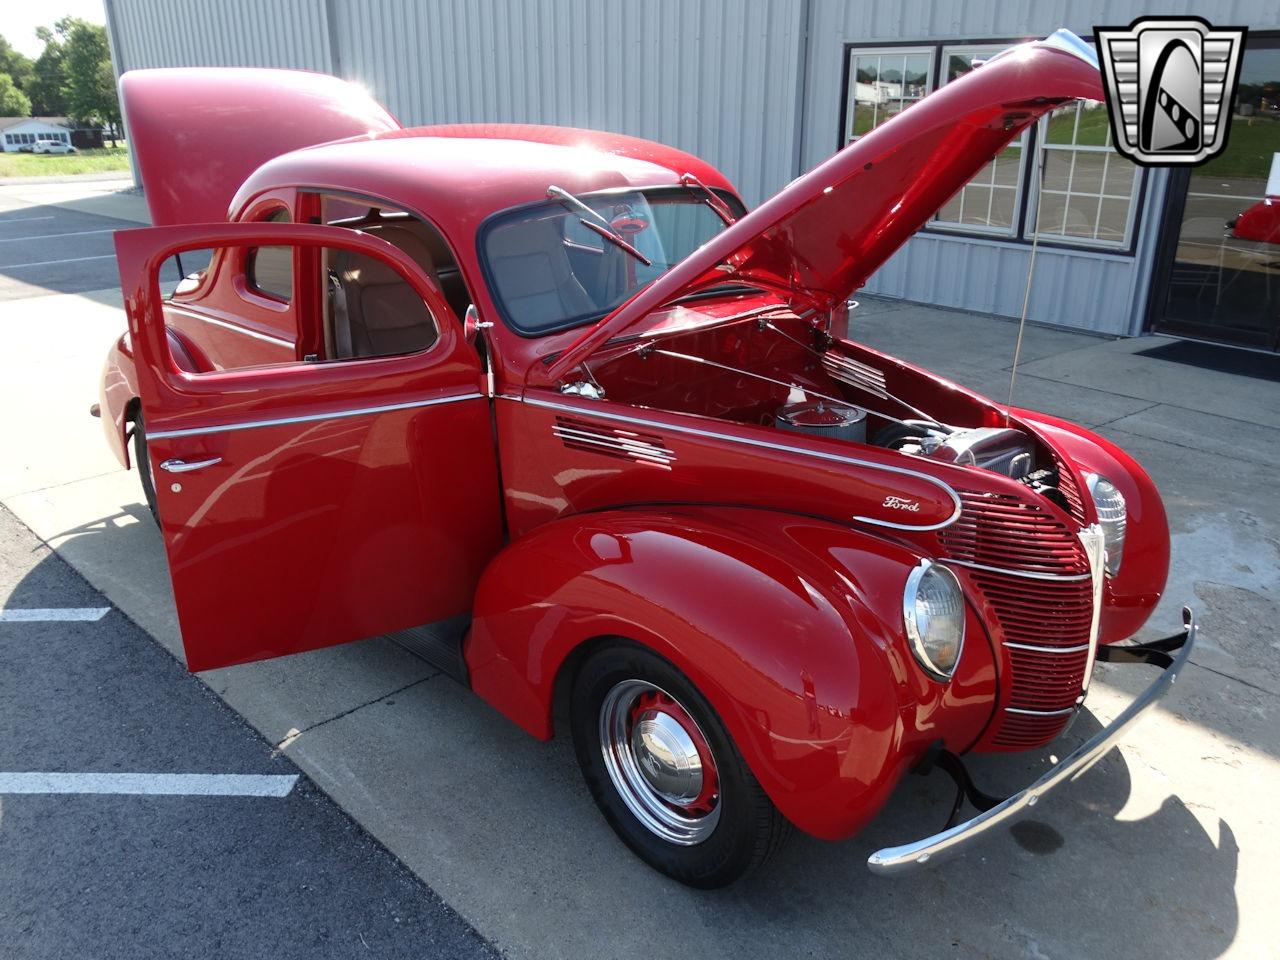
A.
pixel 594 411
pixel 310 418
pixel 1028 574
pixel 911 856
pixel 1036 648
pixel 265 337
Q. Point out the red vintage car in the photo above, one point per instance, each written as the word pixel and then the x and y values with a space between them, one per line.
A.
pixel 550 408
pixel 1260 222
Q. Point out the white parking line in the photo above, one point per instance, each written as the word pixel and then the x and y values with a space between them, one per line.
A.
pixel 50 236
pixel 55 614
pixel 152 784
pixel 45 263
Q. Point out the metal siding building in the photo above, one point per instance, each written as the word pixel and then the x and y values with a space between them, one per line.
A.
pixel 757 87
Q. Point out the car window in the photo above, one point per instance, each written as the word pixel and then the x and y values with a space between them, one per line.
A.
pixel 550 271
pixel 269 270
pixel 362 309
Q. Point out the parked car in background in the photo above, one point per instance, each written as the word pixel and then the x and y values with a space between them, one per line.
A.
pixel 51 145
pixel 551 409
pixel 1260 222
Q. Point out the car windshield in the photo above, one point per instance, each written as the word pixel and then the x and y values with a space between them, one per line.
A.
pixel 550 271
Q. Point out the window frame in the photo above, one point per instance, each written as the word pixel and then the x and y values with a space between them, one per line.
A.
pixel 1023 233
pixel 250 257
pixel 897 49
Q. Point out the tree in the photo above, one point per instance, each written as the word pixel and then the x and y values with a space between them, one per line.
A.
pixel 17 65
pixel 13 102
pixel 49 78
pixel 90 87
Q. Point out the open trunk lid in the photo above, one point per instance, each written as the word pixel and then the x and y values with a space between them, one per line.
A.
pixel 196 134
pixel 820 237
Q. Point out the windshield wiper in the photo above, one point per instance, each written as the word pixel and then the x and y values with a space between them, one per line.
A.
pixel 596 223
pixel 711 198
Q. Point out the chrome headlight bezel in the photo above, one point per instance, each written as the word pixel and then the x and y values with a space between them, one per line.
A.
pixel 1110 506
pixel 929 572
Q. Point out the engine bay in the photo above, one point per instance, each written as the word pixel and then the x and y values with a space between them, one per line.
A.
pixel 770 367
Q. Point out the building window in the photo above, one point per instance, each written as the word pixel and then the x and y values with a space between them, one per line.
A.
pixel 990 202
pixel 8 138
pixel 883 83
pixel 1091 192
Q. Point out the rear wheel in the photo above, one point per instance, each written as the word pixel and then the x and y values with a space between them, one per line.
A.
pixel 665 773
pixel 144 465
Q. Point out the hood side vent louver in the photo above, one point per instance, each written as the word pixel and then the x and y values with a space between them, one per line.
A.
pixel 614 442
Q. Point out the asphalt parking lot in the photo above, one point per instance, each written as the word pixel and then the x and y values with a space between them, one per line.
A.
pixel 193 836
pixel 1166 849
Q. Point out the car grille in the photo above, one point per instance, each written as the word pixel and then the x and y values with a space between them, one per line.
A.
pixel 1034 575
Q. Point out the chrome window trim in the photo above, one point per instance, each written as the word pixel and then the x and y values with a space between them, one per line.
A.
pixel 590 411
pixel 311 417
pixel 265 337
pixel 1028 574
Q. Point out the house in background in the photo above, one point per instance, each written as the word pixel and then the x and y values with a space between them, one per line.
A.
pixel 21 133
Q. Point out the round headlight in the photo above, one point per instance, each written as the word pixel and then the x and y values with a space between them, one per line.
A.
pixel 1109 502
pixel 933 611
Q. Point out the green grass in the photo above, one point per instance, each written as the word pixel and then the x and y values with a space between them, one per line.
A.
pixel 1250 143
pixel 105 160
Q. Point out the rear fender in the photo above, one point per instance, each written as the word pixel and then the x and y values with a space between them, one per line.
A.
pixel 790 627
pixel 118 397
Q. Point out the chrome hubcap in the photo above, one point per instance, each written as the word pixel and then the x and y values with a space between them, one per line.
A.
pixel 659 762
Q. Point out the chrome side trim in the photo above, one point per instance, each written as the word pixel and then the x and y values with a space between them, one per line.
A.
pixel 589 411
pixel 1040 713
pixel 1035 648
pixel 265 337
pixel 1028 574
pixel 311 417
pixel 911 856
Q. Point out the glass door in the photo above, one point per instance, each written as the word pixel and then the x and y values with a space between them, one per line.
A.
pixel 1220 273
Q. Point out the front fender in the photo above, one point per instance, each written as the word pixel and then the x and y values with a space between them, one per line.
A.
pixel 791 627
pixel 1131 595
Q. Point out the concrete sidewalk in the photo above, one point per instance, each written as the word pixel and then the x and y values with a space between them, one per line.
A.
pixel 1166 849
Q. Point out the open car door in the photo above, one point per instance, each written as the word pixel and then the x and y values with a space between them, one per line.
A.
pixel 310 503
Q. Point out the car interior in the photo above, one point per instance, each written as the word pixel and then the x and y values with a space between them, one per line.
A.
pixel 371 310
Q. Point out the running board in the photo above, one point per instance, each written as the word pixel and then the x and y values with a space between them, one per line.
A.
pixel 439 644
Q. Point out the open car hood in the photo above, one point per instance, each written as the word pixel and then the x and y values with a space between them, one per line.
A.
pixel 196 134
pixel 818 240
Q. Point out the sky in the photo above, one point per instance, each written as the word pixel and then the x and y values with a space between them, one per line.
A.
pixel 19 19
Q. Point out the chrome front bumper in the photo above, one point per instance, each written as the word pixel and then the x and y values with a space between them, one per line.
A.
pixel 911 856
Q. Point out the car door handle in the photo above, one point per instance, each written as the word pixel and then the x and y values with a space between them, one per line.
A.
pixel 182 466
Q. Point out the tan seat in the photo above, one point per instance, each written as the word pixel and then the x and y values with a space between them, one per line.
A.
pixel 533 276
pixel 376 313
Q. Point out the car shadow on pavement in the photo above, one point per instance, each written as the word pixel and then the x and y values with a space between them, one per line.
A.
pixel 1072 879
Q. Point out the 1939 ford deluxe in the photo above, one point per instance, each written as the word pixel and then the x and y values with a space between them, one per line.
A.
pixel 553 410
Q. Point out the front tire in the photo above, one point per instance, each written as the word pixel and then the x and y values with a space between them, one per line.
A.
pixel 665 773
